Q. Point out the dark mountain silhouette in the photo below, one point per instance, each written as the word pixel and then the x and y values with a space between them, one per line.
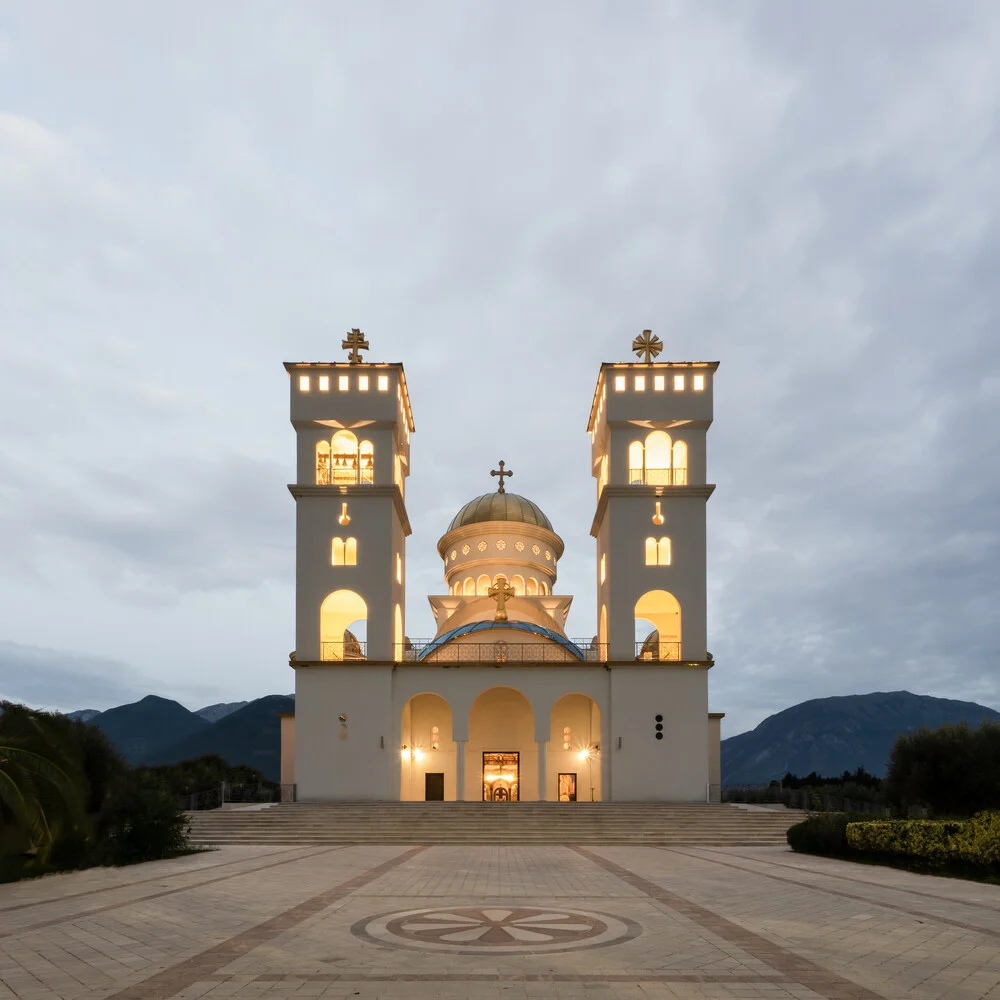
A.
pixel 138 728
pixel 833 735
pixel 251 735
pixel 212 713
pixel 84 715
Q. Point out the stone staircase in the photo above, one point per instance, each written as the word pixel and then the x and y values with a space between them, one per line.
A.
pixel 635 823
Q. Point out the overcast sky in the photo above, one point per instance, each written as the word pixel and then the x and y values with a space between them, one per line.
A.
pixel 501 196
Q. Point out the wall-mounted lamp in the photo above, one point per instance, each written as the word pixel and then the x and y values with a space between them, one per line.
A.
pixel 658 517
pixel 345 518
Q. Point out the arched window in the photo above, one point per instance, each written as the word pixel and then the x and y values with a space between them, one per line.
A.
pixel 323 463
pixel 366 471
pixel 337 552
pixel 602 629
pixel 680 476
pixel 531 589
pixel 344 552
pixel 660 611
pixel 343 626
pixel 469 586
pixel 545 587
pixel 636 463
pixel 663 551
pixel 482 585
pixel 398 634
pixel 657 458
pixel 517 585
pixel 650 551
pixel 344 459
pixel 603 569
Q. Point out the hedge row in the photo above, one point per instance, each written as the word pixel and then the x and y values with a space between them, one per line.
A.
pixel 974 841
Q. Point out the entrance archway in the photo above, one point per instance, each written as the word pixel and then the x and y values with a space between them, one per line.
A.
pixel 573 763
pixel 502 753
pixel 427 767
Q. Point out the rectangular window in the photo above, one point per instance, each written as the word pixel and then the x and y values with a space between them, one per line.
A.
pixel 324 383
pixel 698 383
pixel 303 383
pixel 363 383
pixel 399 569
pixel 640 383
pixel 678 383
pixel 659 383
pixel 343 383
pixel 383 383
pixel 619 383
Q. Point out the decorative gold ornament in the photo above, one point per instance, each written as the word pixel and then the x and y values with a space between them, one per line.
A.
pixel 345 518
pixel 501 473
pixel 501 593
pixel 658 517
pixel 465 550
pixel 481 546
pixel 647 344
pixel 354 344
pixel 501 544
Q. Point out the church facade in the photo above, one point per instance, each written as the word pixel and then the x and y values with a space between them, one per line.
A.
pixel 501 704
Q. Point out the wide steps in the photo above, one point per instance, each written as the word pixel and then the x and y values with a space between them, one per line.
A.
pixel 659 824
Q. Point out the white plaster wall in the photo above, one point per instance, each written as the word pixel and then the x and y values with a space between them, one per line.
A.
pixel 358 767
pixel 676 768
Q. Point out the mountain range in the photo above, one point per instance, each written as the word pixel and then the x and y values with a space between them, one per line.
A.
pixel 825 735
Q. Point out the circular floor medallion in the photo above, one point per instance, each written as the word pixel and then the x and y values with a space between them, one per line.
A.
pixel 495 929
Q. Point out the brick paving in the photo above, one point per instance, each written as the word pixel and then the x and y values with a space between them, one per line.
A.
pixel 471 923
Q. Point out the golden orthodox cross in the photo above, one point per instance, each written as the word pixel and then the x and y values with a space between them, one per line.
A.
pixel 647 344
pixel 501 473
pixel 501 593
pixel 354 344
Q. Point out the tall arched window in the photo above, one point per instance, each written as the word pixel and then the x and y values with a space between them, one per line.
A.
pixel 323 463
pixel 366 470
pixel 680 476
pixel 398 634
pixel 344 459
pixel 343 626
pixel 531 588
pixel 602 629
pixel 636 463
pixel 650 551
pixel 337 552
pixel 663 551
pixel 657 458
pixel 344 552
pixel 469 587
pixel 482 585
pixel 517 585
pixel 662 611
pixel 545 587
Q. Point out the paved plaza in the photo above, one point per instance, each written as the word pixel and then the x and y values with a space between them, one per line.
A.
pixel 628 923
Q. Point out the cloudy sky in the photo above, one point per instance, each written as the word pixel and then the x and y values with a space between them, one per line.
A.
pixel 501 196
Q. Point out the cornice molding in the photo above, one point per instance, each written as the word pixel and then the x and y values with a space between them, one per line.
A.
pixel 338 493
pixel 702 492
pixel 495 528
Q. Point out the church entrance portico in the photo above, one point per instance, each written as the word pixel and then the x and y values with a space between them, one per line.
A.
pixel 501 776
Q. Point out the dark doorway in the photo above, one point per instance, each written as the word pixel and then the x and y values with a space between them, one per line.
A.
pixel 567 787
pixel 501 777
pixel 434 786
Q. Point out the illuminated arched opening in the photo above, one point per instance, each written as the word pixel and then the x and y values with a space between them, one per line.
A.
pixel 636 463
pixel 426 748
pixel 482 585
pixel 502 724
pixel 337 552
pixel 663 554
pixel 545 587
pixel 397 633
pixel 343 626
pixel 323 463
pixel 574 753
pixel 351 552
pixel 660 611
pixel 602 631
pixel 657 458
pixel 531 587
pixel 469 587
pixel 517 584
pixel 366 453
pixel 344 458
pixel 650 551
pixel 680 463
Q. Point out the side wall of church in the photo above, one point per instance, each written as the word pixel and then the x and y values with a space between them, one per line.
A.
pixel 676 768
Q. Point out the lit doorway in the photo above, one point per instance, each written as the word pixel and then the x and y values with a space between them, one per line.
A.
pixel 501 776
pixel 567 787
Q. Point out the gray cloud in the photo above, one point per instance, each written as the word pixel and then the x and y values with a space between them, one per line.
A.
pixel 805 192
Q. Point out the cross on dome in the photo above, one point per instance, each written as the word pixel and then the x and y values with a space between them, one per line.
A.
pixel 354 343
pixel 501 473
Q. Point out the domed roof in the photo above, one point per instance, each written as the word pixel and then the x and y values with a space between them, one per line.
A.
pixel 500 507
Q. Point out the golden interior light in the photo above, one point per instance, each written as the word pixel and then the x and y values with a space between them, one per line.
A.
pixel 658 517
pixel 345 518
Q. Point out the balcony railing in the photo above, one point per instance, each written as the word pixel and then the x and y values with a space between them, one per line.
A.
pixel 655 650
pixel 658 477
pixel 352 649
pixel 426 650
pixel 345 476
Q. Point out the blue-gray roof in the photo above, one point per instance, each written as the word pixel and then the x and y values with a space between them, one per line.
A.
pixel 470 627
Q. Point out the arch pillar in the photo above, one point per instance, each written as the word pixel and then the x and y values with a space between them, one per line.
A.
pixel 542 773
pixel 460 770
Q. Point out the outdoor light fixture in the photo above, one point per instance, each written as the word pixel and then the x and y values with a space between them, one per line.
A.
pixel 345 518
pixel 658 517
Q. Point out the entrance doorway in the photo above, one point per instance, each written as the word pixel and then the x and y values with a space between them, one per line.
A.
pixel 501 776
pixel 567 787
pixel 434 786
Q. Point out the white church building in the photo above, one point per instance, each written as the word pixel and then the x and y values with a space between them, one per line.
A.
pixel 501 704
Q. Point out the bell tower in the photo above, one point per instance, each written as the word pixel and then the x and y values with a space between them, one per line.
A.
pixel 648 424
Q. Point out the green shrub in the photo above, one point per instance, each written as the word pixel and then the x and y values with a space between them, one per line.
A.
pixel 978 842
pixel 975 841
pixel 140 822
pixel 825 833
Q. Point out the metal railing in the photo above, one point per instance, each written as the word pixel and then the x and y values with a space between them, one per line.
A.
pixel 655 650
pixel 213 798
pixel 352 649
pixel 498 652
pixel 341 475
pixel 658 477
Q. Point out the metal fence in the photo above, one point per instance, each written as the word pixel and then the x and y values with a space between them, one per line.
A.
pixel 809 798
pixel 653 649
pixel 214 798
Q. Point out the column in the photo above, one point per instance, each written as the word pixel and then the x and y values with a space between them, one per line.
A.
pixel 542 785
pixel 459 770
